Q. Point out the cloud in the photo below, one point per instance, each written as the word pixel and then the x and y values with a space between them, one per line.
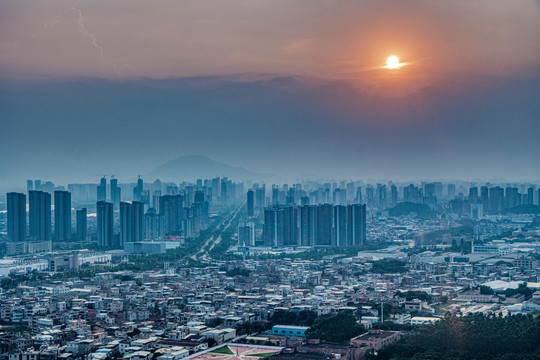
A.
pixel 82 29
pixel 73 11
pixel 308 37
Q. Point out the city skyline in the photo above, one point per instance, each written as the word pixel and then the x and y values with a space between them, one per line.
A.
pixel 270 179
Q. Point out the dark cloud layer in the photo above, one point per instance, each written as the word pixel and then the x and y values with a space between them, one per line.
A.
pixel 480 128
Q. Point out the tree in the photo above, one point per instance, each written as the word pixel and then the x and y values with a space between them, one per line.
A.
pixel 474 336
pixel 486 290
pixel 387 266
pixel 339 327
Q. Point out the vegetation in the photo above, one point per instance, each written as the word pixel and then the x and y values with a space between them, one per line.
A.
pixel 300 318
pixel 262 355
pixel 524 209
pixel 522 290
pixel 223 350
pixel 414 294
pixel 215 322
pixel 322 253
pixel 475 337
pixel 237 272
pixel 338 328
pixel 389 266
pixel 434 237
pixel 219 251
pixel 405 208
pixel 486 290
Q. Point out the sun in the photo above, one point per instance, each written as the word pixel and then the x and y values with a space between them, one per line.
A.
pixel 393 62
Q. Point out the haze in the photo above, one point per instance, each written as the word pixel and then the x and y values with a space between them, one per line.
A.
pixel 290 88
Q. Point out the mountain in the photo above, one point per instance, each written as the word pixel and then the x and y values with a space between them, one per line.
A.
pixel 193 167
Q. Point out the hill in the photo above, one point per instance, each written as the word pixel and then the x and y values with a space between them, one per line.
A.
pixel 524 209
pixel 405 208
pixel 193 167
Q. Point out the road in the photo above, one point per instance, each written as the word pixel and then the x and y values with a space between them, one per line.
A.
pixel 215 239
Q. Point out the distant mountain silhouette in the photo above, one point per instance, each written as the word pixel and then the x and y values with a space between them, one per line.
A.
pixel 191 167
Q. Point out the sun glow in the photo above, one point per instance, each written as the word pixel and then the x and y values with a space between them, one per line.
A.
pixel 393 62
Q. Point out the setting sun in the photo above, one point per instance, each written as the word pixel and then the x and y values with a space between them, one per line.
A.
pixel 393 62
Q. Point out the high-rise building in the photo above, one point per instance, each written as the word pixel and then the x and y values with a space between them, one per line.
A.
pixel 308 225
pixel 39 215
pixel 171 207
pixel 250 203
pixel 62 215
pixel 393 195
pixel 82 227
pixel 138 190
pixel 29 185
pixel 358 198
pixel 381 197
pixel 246 234
pixel 269 228
pixel 356 233
pixel 530 196
pixel 260 198
pixel 484 198
pixel 16 216
pixel 225 186
pixel 473 195
pixel 319 225
pixel 216 187
pixel 131 222
pixel 105 223
pixel 102 190
pixel 154 225
pixel 116 192
pixel 339 237
pixel 412 194
pixel 451 191
pixel 324 225
pixel 155 200
pixel 137 213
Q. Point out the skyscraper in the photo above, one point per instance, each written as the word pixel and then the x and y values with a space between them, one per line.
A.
pixel 105 224
pixel 153 225
pixel 356 225
pixel 269 228
pixel 16 216
pixel 82 227
pixel 40 215
pixel 102 190
pixel 138 190
pixel 62 215
pixel 324 224
pixel 393 195
pixel 316 225
pixel 246 234
pixel 260 198
pixel 451 191
pixel 171 207
pixel 115 192
pixel 250 203
pixel 131 222
pixel 473 195
pixel 339 237
pixel 530 196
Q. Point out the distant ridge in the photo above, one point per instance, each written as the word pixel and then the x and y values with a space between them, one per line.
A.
pixel 192 167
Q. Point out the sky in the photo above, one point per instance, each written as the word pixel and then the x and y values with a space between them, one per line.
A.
pixel 294 88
